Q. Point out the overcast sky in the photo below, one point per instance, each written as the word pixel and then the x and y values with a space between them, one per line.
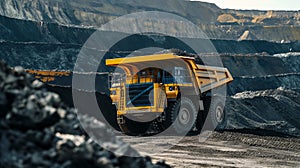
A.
pixel 258 4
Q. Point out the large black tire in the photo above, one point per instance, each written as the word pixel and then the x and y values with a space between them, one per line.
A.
pixel 111 118
pixel 134 128
pixel 216 112
pixel 109 111
pixel 158 126
pixel 181 116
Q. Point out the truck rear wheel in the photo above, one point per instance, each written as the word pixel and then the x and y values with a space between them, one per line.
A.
pixel 134 128
pixel 181 116
pixel 216 112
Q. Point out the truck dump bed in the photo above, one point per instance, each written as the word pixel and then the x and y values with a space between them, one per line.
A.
pixel 207 77
pixel 210 77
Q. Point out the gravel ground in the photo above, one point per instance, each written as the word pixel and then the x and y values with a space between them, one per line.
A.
pixel 229 149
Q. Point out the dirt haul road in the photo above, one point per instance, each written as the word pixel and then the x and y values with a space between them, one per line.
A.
pixel 229 149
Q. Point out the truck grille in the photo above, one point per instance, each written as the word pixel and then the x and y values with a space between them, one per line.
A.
pixel 140 95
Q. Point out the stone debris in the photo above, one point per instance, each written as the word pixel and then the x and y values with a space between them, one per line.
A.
pixel 39 130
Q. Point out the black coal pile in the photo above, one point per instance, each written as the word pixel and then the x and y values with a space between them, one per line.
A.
pixel 275 110
pixel 39 130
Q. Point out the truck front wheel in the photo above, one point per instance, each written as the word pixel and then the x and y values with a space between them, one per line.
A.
pixel 181 116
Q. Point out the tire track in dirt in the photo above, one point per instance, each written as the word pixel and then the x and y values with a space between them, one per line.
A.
pixel 230 149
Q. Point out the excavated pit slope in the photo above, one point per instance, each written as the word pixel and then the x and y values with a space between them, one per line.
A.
pixel 272 80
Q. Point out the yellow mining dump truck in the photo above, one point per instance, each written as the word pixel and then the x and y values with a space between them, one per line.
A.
pixel 165 90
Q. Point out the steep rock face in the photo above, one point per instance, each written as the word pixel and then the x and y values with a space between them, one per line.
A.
pixel 253 17
pixel 257 72
pixel 95 13
pixel 42 32
pixel 215 22
pixel 39 55
pixel 39 45
pixel 63 56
